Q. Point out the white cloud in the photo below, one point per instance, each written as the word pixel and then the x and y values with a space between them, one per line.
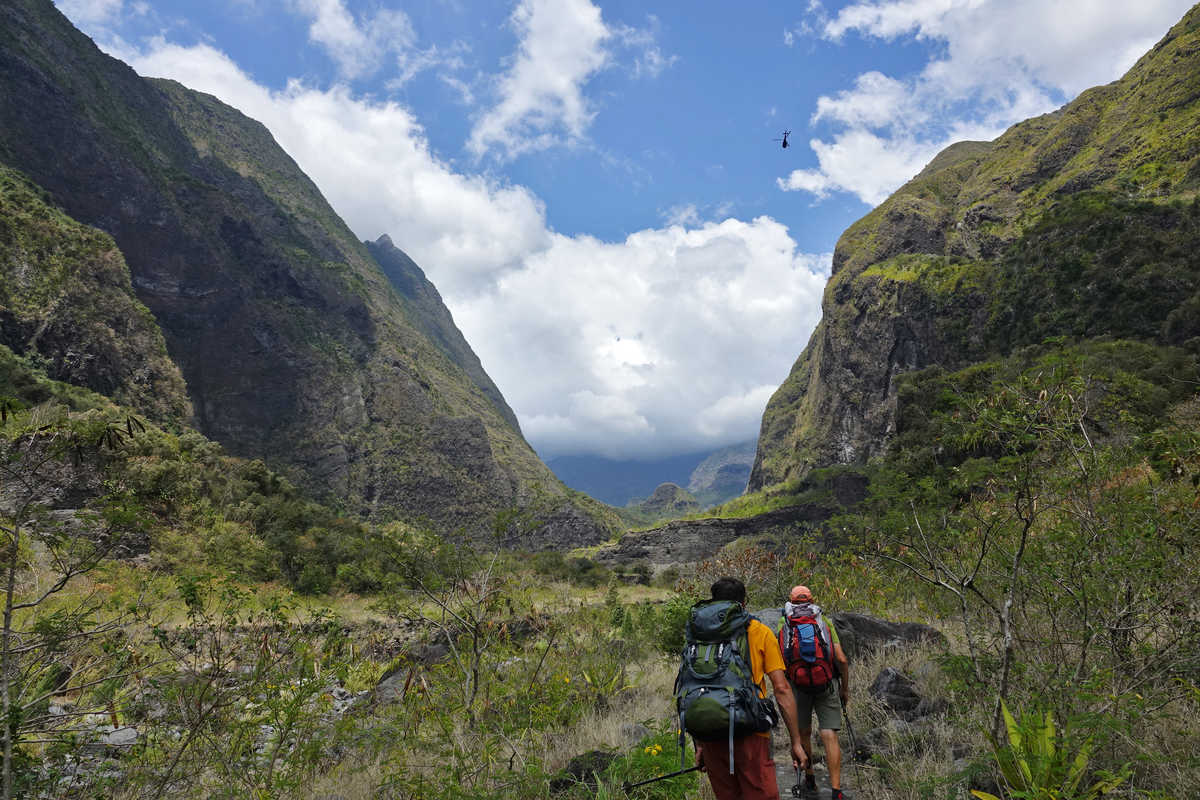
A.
pixel 679 335
pixel 649 59
pixel 874 101
pixel 994 64
pixel 357 47
pixel 668 341
pixel 90 12
pixel 541 95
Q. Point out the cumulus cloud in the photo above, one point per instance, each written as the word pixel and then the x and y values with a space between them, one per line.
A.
pixel 679 334
pixel 91 12
pixel 563 45
pixel 361 46
pixel 668 341
pixel 374 164
pixel 541 96
pixel 981 79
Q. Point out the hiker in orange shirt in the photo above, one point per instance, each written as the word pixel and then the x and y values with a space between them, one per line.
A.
pixel 753 774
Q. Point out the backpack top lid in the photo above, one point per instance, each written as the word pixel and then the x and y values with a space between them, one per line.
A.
pixel 791 609
pixel 716 621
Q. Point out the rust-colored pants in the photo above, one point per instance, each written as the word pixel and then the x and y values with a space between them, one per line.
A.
pixel 754 769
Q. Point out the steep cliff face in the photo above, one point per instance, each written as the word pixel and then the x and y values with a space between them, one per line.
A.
pixel 723 475
pixel 66 302
pixel 425 309
pixel 295 346
pixel 1081 223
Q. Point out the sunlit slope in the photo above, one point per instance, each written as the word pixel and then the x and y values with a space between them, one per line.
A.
pixel 294 345
pixel 1081 223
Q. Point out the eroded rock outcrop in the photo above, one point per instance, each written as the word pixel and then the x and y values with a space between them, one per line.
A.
pixel 1079 223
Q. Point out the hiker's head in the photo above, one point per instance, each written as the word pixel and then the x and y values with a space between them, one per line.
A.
pixel 800 594
pixel 729 589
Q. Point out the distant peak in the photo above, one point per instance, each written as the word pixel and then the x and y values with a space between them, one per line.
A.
pixel 384 241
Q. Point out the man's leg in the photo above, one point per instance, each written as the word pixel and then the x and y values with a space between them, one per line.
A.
pixel 716 764
pixel 833 757
pixel 829 720
pixel 804 712
pixel 755 768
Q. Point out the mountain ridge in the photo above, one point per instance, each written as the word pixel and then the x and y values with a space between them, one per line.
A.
pixel 1077 223
pixel 294 344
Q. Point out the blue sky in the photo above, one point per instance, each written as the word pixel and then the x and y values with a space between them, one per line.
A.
pixel 593 185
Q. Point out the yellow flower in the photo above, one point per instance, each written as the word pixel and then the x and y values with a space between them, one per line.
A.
pixel 566 679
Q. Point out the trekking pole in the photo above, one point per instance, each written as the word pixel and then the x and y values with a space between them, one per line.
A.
pixel 853 741
pixel 629 786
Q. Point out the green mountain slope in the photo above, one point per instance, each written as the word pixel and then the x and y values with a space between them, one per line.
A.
pixel 1082 223
pixel 425 309
pixel 294 344
pixel 66 300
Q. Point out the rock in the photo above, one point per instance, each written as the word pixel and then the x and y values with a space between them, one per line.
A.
pixel 121 737
pixel 634 732
pixel 860 633
pixel 687 541
pixel 583 769
pixel 110 741
pixel 235 272
pixel 899 693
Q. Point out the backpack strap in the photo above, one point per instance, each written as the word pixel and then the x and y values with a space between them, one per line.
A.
pixel 730 692
pixel 682 740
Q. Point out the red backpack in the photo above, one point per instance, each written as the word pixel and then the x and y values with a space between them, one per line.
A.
pixel 806 654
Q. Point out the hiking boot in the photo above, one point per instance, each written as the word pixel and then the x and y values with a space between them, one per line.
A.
pixel 810 782
pixel 836 794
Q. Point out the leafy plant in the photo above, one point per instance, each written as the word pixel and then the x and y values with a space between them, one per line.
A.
pixel 1037 763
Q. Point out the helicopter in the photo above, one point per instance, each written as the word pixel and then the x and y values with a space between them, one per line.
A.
pixel 784 139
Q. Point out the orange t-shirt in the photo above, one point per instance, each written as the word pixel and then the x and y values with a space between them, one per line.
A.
pixel 765 657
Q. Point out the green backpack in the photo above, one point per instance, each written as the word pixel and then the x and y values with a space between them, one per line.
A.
pixel 714 691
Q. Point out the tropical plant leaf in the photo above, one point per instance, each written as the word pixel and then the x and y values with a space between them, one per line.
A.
pixel 1078 767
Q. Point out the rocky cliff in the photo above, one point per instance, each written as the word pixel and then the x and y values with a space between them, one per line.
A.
pixel 66 301
pixel 426 311
pixel 722 475
pixel 294 344
pixel 1083 223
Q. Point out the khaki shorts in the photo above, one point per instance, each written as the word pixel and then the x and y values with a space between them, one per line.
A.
pixel 824 702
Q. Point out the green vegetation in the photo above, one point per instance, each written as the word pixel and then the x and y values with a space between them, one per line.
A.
pixel 1081 223
pixel 66 300
pixel 296 347
pixel 500 668
pixel 1038 764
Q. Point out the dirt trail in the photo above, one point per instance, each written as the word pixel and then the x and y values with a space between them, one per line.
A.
pixel 785 776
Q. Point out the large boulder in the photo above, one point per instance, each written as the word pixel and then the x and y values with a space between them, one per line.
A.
pixel 899 694
pixel 860 633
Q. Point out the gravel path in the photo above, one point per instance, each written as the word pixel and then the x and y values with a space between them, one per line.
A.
pixel 785 776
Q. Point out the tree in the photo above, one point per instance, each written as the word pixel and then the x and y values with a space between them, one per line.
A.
pixel 50 460
pixel 1059 544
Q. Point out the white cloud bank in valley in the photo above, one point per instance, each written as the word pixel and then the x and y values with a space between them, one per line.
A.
pixel 669 341
pixel 996 64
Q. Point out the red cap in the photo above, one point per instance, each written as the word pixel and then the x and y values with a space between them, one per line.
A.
pixel 800 594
